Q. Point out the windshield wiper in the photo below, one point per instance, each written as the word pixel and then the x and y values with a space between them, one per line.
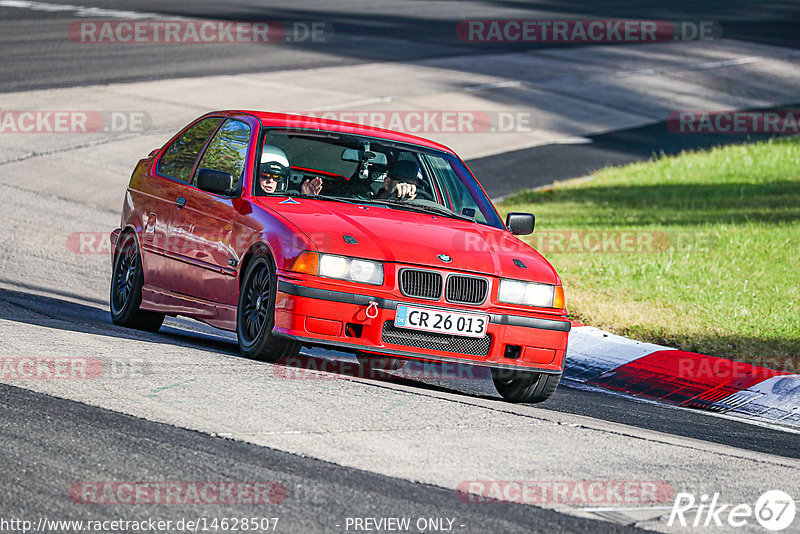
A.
pixel 438 210
pixel 324 197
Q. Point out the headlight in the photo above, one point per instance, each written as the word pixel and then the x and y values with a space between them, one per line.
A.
pixel 341 267
pixel 530 294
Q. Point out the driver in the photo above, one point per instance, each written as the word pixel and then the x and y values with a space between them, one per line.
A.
pixel 273 173
pixel 402 180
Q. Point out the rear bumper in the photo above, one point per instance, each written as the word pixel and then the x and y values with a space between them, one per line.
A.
pixel 327 318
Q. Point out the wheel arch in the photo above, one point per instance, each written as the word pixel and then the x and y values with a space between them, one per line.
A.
pixel 124 232
pixel 256 248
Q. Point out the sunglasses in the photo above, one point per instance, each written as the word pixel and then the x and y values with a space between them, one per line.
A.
pixel 271 177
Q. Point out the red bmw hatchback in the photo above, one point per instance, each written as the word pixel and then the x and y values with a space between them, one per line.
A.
pixel 297 231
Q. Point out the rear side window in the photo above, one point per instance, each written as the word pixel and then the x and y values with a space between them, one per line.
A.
pixel 179 159
pixel 227 152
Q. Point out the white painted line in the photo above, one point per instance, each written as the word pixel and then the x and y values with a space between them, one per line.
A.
pixel 577 140
pixel 496 85
pixel 83 11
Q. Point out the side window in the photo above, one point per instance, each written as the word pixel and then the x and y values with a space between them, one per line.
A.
pixel 227 152
pixel 459 195
pixel 179 158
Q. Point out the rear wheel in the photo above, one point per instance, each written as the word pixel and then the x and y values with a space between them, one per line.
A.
pixel 255 315
pixel 524 386
pixel 127 279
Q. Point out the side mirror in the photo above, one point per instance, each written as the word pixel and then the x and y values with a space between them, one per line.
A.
pixel 215 181
pixel 520 223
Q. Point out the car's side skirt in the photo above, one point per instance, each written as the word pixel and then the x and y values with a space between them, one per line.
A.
pixel 218 315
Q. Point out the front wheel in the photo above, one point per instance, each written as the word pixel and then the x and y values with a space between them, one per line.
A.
pixel 127 279
pixel 255 315
pixel 524 386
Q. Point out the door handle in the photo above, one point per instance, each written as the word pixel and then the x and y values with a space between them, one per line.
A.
pixel 181 202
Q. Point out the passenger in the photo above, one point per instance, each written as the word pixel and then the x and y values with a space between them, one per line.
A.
pixel 273 173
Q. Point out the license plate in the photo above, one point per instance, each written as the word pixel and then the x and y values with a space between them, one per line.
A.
pixel 441 321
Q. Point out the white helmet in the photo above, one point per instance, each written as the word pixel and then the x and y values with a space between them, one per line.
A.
pixel 274 162
pixel 272 153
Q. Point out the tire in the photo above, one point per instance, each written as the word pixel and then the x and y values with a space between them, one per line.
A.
pixel 255 314
pixel 127 280
pixel 524 386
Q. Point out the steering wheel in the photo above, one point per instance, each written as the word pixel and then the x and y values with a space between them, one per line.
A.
pixel 421 195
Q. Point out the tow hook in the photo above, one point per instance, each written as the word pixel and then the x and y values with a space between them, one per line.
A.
pixel 372 309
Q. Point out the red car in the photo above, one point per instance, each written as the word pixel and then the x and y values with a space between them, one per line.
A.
pixel 297 231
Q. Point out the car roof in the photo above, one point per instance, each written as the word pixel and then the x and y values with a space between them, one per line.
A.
pixel 288 120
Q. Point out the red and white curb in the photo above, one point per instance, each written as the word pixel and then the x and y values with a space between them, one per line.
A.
pixel 599 358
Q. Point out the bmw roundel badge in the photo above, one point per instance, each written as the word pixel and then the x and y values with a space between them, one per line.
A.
pixel 445 258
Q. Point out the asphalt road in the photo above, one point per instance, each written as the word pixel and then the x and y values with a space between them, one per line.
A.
pixel 92 318
pixel 35 52
pixel 51 444
pixel 395 447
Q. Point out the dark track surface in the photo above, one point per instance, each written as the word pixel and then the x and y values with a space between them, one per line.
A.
pixel 50 444
pixel 35 51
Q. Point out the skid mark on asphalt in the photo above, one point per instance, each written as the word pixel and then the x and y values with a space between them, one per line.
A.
pixel 156 392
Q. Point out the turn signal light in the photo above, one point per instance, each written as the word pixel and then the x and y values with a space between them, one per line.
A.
pixel 558 299
pixel 306 262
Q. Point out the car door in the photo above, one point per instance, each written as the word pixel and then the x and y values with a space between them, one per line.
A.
pixel 202 222
pixel 162 189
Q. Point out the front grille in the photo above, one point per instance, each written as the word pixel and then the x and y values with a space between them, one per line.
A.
pixel 466 289
pixel 421 284
pixel 432 341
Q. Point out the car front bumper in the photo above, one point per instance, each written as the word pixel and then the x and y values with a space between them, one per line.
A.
pixel 336 318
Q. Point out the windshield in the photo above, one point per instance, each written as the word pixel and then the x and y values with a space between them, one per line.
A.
pixel 334 166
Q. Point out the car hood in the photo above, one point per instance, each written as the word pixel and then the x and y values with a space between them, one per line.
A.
pixel 395 235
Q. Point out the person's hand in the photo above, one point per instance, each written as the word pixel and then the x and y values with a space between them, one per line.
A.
pixel 404 190
pixel 311 187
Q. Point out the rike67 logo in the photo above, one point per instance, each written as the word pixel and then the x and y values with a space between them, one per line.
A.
pixel 774 510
